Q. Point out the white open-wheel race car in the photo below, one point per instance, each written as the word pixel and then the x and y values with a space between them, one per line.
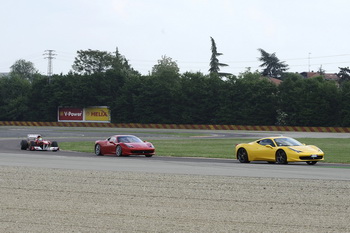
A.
pixel 36 142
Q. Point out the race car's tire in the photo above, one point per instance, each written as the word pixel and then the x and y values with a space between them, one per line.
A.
pixel 119 151
pixel 98 149
pixel 31 146
pixel 24 145
pixel 311 162
pixel 281 157
pixel 148 155
pixel 54 144
pixel 242 155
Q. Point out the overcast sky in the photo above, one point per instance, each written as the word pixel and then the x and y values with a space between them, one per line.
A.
pixel 306 34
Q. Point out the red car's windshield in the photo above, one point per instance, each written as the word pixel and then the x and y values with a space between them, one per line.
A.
pixel 129 139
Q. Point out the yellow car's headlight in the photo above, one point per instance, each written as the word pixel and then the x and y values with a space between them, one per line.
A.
pixel 295 150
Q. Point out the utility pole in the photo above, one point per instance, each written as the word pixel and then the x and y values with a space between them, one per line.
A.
pixel 49 56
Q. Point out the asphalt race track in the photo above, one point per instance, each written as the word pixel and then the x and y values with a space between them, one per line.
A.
pixel 81 192
pixel 11 155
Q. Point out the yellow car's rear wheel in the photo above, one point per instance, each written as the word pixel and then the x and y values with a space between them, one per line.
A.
pixel 242 155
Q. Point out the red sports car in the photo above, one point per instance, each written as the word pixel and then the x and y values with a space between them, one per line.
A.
pixel 124 145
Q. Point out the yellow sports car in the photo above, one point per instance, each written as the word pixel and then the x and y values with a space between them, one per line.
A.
pixel 278 150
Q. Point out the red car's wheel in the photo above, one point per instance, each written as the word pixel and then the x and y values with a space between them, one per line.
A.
pixel 98 149
pixel 118 151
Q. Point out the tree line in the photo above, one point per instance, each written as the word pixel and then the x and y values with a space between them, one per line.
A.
pixel 167 96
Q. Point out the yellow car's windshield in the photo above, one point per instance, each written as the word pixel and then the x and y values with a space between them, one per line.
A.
pixel 287 142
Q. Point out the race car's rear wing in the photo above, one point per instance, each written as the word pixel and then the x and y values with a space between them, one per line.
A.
pixel 32 136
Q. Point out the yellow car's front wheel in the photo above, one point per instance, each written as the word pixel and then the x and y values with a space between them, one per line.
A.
pixel 311 162
pixel 281 157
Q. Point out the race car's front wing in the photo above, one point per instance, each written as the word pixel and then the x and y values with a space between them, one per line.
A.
pixel 44 148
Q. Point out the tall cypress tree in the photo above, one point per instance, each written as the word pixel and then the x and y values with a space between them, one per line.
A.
pixel 214 61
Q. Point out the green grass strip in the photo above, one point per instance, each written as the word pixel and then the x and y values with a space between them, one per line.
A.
pixel 337 150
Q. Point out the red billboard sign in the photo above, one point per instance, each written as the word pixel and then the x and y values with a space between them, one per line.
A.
pixel 70 114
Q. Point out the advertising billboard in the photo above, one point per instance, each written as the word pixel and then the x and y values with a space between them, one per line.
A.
pixel 97 114
pixel 70 114
pixel 89 114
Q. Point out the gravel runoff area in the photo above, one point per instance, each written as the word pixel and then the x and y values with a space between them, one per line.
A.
pixel 59 200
